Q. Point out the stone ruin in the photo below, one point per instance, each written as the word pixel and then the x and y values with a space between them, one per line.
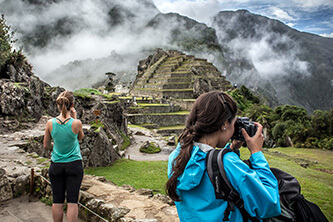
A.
pixel 173 74
pixel 174 80
pixel 25 99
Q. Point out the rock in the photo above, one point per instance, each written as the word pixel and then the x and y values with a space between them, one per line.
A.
pixel 85 197
pixel 119 212
pixel 164 199
pixel 145 192
pixel 20 185
pixel 171 141
pixel 139 133
pixel 6 192
pixel 94 204
pixel 128 187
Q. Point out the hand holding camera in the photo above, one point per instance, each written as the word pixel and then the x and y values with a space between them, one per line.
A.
pixel 250 132
pixel 255 142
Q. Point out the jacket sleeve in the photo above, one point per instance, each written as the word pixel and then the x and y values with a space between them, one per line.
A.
pixel 257 187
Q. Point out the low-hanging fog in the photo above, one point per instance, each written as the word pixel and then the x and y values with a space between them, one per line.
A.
pixel 73 43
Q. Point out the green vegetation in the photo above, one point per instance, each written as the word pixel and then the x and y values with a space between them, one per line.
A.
pixel 172 113
pixel 7 54
pixel 126 140
pixel 41 160
pixel 140 174
pixel 287 121
pixel 135 126
pixel 96 124
pixel 6 41
pixel 152 148
pixel 46 200
pixel 172 127
pixel 152 104
pixel 86 92
pixel 316 183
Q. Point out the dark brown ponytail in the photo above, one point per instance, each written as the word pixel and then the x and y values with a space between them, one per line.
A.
pixel 207 115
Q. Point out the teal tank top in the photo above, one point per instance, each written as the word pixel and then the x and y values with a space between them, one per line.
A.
pixel 66 146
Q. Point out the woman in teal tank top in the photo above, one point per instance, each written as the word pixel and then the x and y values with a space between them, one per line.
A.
pixel 66 170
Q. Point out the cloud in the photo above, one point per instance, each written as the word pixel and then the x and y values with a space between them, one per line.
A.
pixel 91 35
pixel 327 35
pixel 313 4
pixel 200 10
pixel 280 14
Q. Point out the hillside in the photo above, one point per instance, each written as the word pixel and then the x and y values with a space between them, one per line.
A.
pixel 72 47
pixel 276 60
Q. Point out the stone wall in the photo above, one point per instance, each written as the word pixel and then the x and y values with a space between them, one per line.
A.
pixel 96 148
pixel 161 120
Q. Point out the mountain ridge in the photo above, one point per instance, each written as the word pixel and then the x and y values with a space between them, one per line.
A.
pixel 264 54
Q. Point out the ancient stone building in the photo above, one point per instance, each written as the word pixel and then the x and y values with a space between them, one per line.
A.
pixel 172 74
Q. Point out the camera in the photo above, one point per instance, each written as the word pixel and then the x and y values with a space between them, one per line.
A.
pixel 243 122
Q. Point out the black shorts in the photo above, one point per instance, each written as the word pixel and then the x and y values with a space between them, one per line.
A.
pixel 66 177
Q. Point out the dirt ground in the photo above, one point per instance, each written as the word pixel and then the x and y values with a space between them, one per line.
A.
pixel 26 209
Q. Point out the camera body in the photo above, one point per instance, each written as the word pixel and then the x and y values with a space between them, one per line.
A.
pixel 243 122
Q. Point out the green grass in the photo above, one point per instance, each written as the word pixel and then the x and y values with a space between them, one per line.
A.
pixel 171 127
pixel 86 92
pixel 41 160
pixel 173 113
pixel 140 174
pixel 317 186
pixel 152 104
pixel 135 126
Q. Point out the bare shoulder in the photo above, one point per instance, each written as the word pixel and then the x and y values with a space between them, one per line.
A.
pixel 49 125
pixel 77 123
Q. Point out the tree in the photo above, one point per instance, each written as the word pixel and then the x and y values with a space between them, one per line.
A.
pixel 6 41
pixel 110 86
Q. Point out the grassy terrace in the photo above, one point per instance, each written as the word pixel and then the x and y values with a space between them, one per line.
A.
pixel 164 90
pixel 152 104
pixel 162 114
pixel 172 127
pixel 169 83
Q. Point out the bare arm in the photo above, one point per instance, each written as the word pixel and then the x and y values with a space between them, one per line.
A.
pixel 47 136
pixel 77 129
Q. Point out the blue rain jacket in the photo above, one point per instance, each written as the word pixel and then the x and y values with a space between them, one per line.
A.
pixel 257 187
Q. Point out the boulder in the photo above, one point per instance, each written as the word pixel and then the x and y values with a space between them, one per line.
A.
pixel 6 192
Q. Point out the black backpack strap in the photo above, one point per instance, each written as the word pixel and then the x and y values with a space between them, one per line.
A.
pixel 222 187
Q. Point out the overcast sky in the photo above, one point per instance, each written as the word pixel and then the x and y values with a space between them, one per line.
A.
pixel 313 16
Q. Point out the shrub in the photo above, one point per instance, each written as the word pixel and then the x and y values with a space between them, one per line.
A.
pixel 151 148
pixel 6 41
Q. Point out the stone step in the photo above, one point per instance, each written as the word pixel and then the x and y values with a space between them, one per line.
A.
pixel 152 108
pixel 178 85
pixel 169 93
pixel 173 74
pixel 162 119
pixel 170 130
pixel 168 80
pixel 170 64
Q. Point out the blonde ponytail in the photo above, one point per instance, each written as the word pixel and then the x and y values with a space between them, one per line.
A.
pixel 64 101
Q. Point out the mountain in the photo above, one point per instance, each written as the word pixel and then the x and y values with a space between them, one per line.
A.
pixel 74 43
pixel 287 66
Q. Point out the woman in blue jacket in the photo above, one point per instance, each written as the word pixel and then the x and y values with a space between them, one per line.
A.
pixel 210 124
